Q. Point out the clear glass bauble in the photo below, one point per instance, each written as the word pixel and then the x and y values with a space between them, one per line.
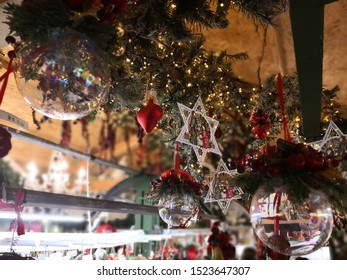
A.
pixel 63 78
pixel 289 227
pixel 177 210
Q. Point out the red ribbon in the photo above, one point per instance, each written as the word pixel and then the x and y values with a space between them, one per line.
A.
pixel 281 98
pixel 17 206
pixel 177 157
pixel 259 249
pixel 4 78
pixel 277 204
pixel 179 173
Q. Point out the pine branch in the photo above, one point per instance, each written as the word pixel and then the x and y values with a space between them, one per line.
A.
pixel 264 11
pixel 152 18
pixel 33 20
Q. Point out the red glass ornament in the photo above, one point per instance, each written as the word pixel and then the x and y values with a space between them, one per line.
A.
pixel 260 132
pixel 149 116
pixel 5 142
pixel 260 124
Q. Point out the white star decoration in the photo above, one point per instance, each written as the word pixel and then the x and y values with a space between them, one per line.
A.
pixel 219 188
pixel 198 130
pixel 332 133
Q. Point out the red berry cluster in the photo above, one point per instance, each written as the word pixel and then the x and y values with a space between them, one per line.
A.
pixel 288 156
pixel 173 180
pixel 260 124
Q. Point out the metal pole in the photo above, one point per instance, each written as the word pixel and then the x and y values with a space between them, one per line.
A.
pixel 64 201
pixel 51 145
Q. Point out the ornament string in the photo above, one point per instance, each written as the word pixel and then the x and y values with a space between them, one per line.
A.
pixel 6 75
pixel 277 204
pixel 287 138
pixel 177 157
pixel 166 241
pixel 16 205
pixel 187 222
pixel 259 249
pixel 88 195
pixel 281 100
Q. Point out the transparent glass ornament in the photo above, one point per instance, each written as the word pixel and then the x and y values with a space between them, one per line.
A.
pixel 64 78
pixel 289 227
pixel 177 210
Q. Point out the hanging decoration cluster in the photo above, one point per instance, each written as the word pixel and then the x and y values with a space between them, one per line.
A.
pixel 179 197
pixel 293 188
pixel 118 48
pixel 74 58
pixel 198 130
pixel 220 190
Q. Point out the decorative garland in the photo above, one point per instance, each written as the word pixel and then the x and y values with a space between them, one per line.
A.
pixel 176 181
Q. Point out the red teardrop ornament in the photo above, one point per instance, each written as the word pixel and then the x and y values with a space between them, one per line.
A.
pixel 149 116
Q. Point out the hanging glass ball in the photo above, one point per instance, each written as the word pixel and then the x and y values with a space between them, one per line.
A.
pixel 289 227
pixel 64 77
pixel 177 210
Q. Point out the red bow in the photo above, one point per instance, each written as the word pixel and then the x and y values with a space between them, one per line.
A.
pixel 15 205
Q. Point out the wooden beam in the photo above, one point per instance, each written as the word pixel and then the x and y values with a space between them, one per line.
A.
pixel 307 21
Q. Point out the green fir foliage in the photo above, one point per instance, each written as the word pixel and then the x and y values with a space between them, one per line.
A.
pixel 33 20
pixel 8 177
pixel 264 10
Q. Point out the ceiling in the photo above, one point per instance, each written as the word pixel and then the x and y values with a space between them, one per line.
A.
pixel 272 54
